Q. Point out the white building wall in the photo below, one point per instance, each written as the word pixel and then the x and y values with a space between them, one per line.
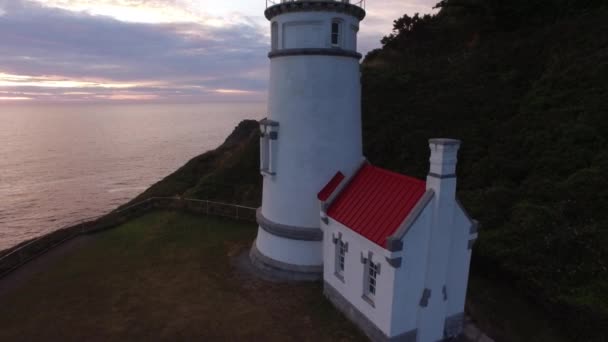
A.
pixel 352 286
pixel 303 34
pixel 316 100
pixel 313 30
pixel 460 258
pixel 410 279
pixel 442 180
pixel 432 317
pixel 295 252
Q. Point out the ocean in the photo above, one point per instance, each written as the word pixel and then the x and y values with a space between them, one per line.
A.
pixel 63 163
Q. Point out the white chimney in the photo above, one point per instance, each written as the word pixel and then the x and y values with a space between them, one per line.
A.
pixel 442 171
pixel 442 180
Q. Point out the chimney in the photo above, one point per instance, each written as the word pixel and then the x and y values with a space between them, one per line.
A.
pixel 442 171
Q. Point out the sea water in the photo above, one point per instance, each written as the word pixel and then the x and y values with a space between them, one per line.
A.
pixel 63 163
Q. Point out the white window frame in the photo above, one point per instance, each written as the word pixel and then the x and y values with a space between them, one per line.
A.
pixel 341 256
pixel 371 271
pixel 268 140
pixel 355 32
pixel 341 248
pixel 338 35
pixel 274 36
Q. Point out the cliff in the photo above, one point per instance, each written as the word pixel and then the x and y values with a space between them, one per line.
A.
pixel 228 174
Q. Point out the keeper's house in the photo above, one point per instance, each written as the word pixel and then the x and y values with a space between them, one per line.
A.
pixel 397 249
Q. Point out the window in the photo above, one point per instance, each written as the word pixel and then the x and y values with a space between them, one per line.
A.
pixel 341 249
pixel 370 278
pixel 336 28
pixel 355 29
pixel 269 136
pixel 341 257
pixel 274 31
pixel 372 273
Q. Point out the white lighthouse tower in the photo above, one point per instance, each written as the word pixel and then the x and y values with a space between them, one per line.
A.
pixel 313 128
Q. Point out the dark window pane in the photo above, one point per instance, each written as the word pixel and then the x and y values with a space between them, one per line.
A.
pixel 335 33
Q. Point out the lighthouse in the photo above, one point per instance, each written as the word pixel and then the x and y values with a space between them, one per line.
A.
pixel 313 128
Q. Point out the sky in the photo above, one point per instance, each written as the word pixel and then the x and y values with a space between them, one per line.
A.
pixel 173 51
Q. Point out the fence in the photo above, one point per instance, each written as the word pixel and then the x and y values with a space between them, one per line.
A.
pixel 14 258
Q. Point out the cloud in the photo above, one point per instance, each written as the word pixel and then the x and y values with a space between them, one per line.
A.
pixel 148 50
pixel 162 11
pixel 54 48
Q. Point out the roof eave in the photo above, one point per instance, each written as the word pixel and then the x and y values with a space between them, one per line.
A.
pixel 394 243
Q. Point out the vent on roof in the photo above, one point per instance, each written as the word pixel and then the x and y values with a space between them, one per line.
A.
pixel 329 189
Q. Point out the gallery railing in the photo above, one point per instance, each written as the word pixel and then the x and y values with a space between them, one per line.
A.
pixel 359 3
pixel 12 259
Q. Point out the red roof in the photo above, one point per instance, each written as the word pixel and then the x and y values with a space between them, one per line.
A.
pixel 376 202
pixel 330 187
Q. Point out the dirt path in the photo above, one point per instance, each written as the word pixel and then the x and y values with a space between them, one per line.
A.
pixel 21 275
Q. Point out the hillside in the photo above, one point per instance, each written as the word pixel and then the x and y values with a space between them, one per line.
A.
pixel 525 85
pixel 529 99
pixel 227 174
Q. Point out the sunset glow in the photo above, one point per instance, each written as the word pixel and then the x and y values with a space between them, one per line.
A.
pixel 130 97
pixel 232 91
pixel 149 50
pixel 13 81
pixel 152 12
pixel 8 98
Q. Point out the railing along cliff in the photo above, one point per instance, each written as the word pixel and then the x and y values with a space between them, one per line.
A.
pixel 21 254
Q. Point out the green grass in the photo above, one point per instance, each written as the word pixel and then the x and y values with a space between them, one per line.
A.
pixel 165 276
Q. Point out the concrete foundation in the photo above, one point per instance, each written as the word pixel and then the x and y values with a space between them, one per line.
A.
pixel 280 271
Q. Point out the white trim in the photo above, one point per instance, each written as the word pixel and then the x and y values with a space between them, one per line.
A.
pixel 268 145
pixel 339 35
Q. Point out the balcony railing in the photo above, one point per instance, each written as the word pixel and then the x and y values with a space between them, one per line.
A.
pixel 359 3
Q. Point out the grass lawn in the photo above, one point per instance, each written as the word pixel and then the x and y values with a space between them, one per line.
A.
pixel 165 276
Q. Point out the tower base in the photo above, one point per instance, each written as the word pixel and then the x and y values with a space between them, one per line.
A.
pixel 279 271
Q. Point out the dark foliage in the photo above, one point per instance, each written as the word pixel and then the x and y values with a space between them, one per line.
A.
pixel 227 174
pixel 525 85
